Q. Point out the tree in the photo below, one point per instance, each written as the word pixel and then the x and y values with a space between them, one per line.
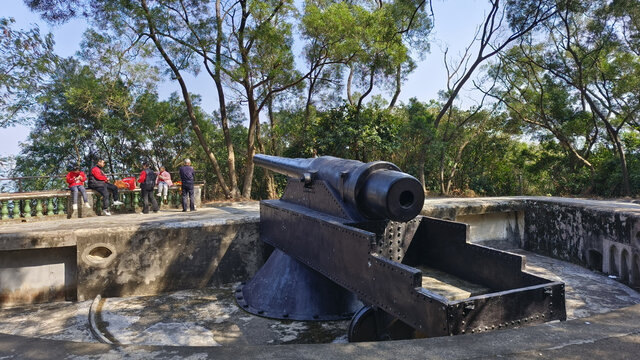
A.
pixel 84 117
pixel 544 105
pixel 587 51
pixel 26 60
pixel 371 40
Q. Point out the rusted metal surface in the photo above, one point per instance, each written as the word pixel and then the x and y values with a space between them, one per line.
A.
pixel 356 225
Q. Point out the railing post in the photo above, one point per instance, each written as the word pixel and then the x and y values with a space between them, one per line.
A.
pixel 5 210
pixel 204 190
pixel 136 200
pixel 16 209
pixel 175 198
pixel 61 202
pixel 27 208
pixel 19 185
pixel 49 206
pixel 39 208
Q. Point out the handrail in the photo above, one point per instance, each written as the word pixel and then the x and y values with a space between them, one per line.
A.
pixel 45 204
pixel 112 175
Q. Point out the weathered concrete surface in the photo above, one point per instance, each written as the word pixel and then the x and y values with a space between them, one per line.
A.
pixel 130 253
pixel 44 275
pixel 58 233
pixel 209 317
pixel 167 256
pixel 603 235
pixel 614 335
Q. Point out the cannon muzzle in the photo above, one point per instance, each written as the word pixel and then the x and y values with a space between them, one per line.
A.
pixel 378 190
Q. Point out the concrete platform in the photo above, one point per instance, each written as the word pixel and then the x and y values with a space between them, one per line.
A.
pixel 210 317
pixel 59 233
pixel 614 335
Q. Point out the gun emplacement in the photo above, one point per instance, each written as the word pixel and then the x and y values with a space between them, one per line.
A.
pixel 349 243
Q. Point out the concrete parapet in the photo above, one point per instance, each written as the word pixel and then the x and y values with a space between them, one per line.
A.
pixel 602 235
pixel 129 254
pixel 166 257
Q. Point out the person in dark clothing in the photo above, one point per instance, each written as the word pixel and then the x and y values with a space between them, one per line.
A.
pixel 147 181
pixel 98 181
pixel 187 176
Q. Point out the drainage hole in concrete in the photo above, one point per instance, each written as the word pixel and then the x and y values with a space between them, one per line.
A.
pixel 99 253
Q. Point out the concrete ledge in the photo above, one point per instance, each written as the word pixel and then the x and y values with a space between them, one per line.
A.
pixel 615 335
pixel 129 254
pixel 601 235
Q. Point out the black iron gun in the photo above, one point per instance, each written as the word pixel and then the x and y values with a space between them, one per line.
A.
pixel 349 243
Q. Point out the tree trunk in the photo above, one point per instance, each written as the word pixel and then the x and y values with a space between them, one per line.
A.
pixel 254 117
pixel 421 160
pixel 442 189
pixel 271 187
pixel 272 135
pixel 626 186
pixel 233 177
pixel 454 168
pixel 396 94
pixel 187 100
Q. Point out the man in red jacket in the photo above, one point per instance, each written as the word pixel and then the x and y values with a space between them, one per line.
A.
pixel 98 181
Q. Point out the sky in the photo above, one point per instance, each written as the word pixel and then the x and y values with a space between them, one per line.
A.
pixel 456 22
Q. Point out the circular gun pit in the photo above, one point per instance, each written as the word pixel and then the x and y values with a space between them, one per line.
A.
pixel 210 317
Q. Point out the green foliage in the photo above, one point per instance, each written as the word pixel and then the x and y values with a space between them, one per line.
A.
pixel 86 117
pixel 26 59
pixel 366 136
pixel 566 109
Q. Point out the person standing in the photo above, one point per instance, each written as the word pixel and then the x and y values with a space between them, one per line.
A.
pixel 98 181
pixel 163 181
pixel 187 176
pixel 147 181
pixel 76 179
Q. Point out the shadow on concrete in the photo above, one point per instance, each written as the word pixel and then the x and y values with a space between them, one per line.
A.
pixel 168 254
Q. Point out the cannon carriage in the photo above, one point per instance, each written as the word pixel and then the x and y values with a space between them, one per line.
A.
pixel 349 243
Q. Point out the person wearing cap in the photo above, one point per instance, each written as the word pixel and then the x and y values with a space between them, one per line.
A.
pixel 187 176
pixel 76 179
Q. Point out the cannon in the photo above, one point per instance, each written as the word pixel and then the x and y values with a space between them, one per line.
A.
pixel 348 243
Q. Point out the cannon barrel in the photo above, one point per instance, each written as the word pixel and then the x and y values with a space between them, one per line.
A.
pixel 378 190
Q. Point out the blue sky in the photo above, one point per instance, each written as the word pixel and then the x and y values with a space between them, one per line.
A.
pixel 456 23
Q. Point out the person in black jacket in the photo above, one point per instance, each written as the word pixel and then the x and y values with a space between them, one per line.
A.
pixel 187 176
pixel 99 182
pixel 147 181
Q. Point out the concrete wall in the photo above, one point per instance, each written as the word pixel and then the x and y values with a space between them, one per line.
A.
pixel 129 254
pixel 37 275
pixel 602 235
pixel 155 259
pixel 502 229
pixel 593 234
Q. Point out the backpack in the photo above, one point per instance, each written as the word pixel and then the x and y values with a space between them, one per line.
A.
pixel 149 180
